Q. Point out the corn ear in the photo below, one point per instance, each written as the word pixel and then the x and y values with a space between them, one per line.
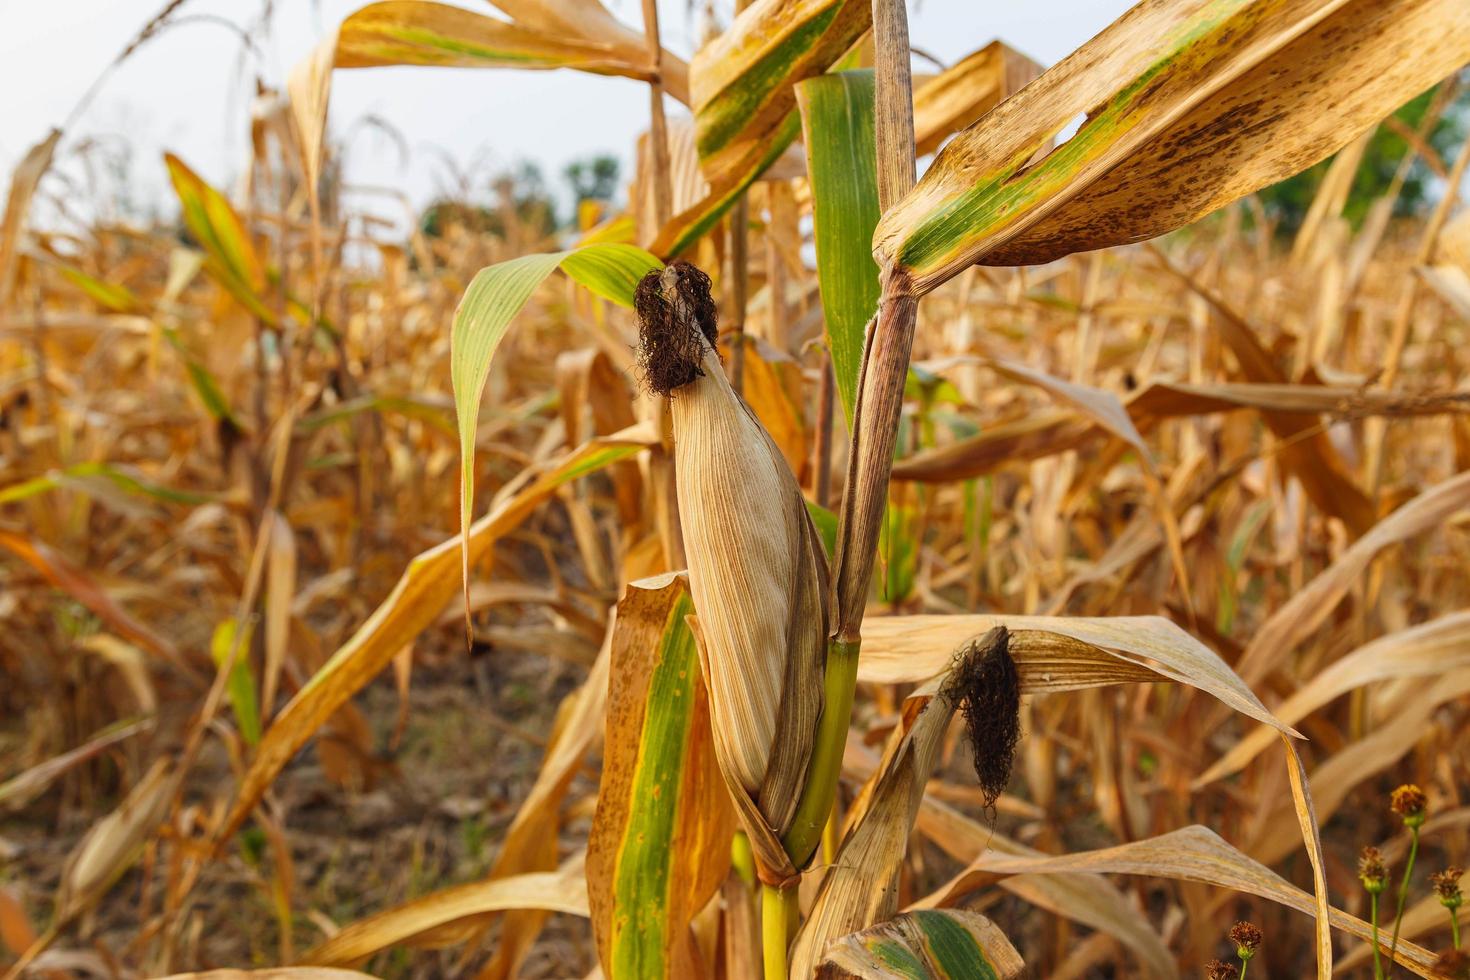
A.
pixel 757 569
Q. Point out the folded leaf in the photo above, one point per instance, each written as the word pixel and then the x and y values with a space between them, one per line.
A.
pixel 742 87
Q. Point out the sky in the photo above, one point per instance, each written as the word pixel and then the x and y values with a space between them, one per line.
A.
pixel 189 90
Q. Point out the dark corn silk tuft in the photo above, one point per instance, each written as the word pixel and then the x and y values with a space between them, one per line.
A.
pixel 984 682
pixel 675 310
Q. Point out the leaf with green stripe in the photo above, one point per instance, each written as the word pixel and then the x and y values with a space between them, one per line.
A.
pixel 494 298
pixel 742 86
pixel 660 841
pixel 112 296
pixel 418 32
pixel 1188 105
pixel 931 944
pixel 230 257
pixel 83 476
pixel 837 123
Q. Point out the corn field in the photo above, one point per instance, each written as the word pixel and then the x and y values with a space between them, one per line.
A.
pixel 940 522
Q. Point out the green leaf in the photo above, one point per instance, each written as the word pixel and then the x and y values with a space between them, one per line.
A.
pixel 495 296
pixel 115 297
pixel 240 687
pixel 837 121
pixel 826 523
pixel 77 475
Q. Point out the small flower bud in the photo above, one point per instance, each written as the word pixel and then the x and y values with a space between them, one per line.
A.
pixel 1371 870
pixel 1447 886
pixel 1409 802
pixel 1247 939
pixel 1220 970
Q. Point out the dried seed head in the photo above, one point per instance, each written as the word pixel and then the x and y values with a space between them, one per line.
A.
pixel 677 320
pixel 1447 886
pixel 1453 963
pixel 984 683
pixel 1220 970
pixel 1247 939
pixel 1371 870
pixel 1409 802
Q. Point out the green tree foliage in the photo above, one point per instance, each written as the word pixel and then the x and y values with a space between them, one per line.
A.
pixel 523 191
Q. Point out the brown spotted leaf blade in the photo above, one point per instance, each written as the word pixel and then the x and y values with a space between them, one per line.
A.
pixel 417 32
pixel 1189 104
pixel 743 91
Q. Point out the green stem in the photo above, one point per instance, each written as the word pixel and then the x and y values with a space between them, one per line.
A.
pixel 1244 965
pixel 1373 918
pixel 742 858
pixel 805 832
pixel 1398 918
pixel 1455 927
pixel 779 912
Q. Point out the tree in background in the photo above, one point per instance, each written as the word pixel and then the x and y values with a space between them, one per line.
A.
pixel 523 193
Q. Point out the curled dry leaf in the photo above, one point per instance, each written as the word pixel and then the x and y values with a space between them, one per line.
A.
pixel 1426 650
pixel 1191 854
pixel 448 915
pixel 861 886
pixel 1308 608
pixel 427 585
pixel 111 845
